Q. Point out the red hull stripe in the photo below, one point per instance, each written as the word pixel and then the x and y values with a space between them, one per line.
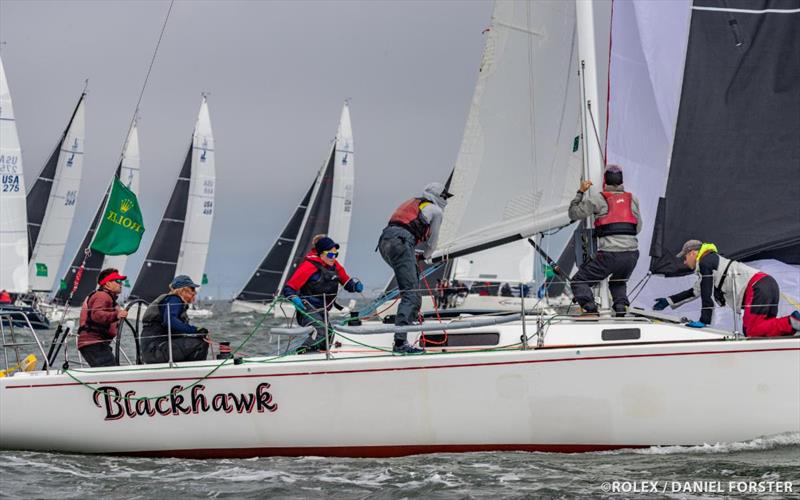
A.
pixel 400 369
pixel 373 451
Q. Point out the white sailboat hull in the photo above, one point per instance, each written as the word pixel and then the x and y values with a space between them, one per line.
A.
pixel 570 398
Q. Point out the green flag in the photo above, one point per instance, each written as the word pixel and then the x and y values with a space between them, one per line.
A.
pixel 41 269
pixel 121 229
pixel 62 285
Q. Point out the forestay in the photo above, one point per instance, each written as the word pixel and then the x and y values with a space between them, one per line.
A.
pixel 52 200
pixel 13 232
pixel 520 157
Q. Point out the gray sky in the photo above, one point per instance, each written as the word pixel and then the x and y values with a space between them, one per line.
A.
pixel 277 73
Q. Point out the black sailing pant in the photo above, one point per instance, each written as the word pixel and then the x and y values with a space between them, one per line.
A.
pixel 99 354
pixel 616 265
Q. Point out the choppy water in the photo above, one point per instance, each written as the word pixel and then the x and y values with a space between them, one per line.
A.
pixel 725 467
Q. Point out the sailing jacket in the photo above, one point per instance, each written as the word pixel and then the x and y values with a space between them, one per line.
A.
pixel 717 278
pixel 313 278
pixel 583 206
pixel 430 215
pixel 158 320
pixel 98 321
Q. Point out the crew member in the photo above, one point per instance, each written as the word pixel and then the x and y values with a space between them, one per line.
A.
pixel 5 297
pixel 166 316
pixel 313 287
pixel 99 320
pixel 727 281
pixel 617 222
pixel 415 222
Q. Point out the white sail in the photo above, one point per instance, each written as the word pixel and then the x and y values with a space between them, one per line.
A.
pixel 343 178
pixel 200 206
pixel 13 209
pixel 60 212
pixel 511 263
pixel 519 162
pixel 129 175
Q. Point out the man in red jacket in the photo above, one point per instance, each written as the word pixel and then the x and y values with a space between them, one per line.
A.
pixel 100 315
pixel 313 288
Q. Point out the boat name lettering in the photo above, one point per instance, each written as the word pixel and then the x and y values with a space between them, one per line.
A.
pixel 118 404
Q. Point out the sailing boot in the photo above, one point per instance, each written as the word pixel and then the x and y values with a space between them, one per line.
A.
pixel 589 309
pixel 620 310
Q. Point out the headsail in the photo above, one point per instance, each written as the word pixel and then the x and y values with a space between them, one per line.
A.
pixel 128 173
pixel 181 242
pixel 13 233
pixel 343 179
pixel 520 157
pixel 51 202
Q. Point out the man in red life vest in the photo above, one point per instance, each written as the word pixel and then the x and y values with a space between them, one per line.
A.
pixel 617 222
pixel 727 281
pixel 313 287
pixel 414 222
pixel 100 316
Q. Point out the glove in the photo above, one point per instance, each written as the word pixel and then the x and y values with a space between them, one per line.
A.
pixel 204 331
pixel 696 324
pixel 660 304
pixel 298 304
pixel 358 286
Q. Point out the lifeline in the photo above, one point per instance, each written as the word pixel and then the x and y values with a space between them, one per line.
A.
pixel 119 405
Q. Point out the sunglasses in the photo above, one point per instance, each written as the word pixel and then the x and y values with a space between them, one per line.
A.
pixel 331 255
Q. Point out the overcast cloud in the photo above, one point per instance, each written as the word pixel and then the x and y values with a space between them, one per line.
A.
pixel 277 73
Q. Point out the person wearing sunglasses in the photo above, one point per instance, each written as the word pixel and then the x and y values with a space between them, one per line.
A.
pixel 167 315
pixel 99 320
pixel 313 287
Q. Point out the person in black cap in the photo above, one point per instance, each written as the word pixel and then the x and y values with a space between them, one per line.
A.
pixel 617 222
pixel 313 287
pixel 414 222
pixel 165 316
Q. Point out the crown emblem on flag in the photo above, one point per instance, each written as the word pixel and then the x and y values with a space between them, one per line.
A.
pixel 126 205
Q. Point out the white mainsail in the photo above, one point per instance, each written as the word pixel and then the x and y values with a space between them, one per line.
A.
pixel 13 209
pixel 520 157
pixel 343 178
pixel 129 175
pixel 200 205
pixel 60 212
pixel 512 262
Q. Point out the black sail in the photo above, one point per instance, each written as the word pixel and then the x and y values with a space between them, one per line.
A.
pixel 736 155
pixel 38 196
pixel 263 284
pixel 93 264
pixel 162 258
pixel 318 216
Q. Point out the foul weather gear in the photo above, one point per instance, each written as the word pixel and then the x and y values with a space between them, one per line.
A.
pixel 588 205
pixel 167 313
pixel 617 266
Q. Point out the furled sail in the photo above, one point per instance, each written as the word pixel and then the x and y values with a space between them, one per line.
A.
pixel 129 175
pixel 181 242
pixel 343 179
pixel 520 157
pixel 51 202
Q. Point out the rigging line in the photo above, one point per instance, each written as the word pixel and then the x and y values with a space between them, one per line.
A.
pixel 531 86
pixel 147 77
pixel 596 133
pixel 643 282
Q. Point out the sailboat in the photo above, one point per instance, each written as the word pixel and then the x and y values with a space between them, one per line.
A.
pixel 326 208
pixel 51 203
pixel 505 382
pixel 181 242
pixel 66 303
pixel 13 233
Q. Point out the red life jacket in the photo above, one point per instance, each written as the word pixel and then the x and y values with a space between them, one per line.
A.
pixel 5 297
pixel 619 219
pixel 409 216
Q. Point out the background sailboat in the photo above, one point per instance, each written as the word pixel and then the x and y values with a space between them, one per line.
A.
pixel 13 234
pixel 181 242
pixel 326 208
pixel 51 203
pixel 97 261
